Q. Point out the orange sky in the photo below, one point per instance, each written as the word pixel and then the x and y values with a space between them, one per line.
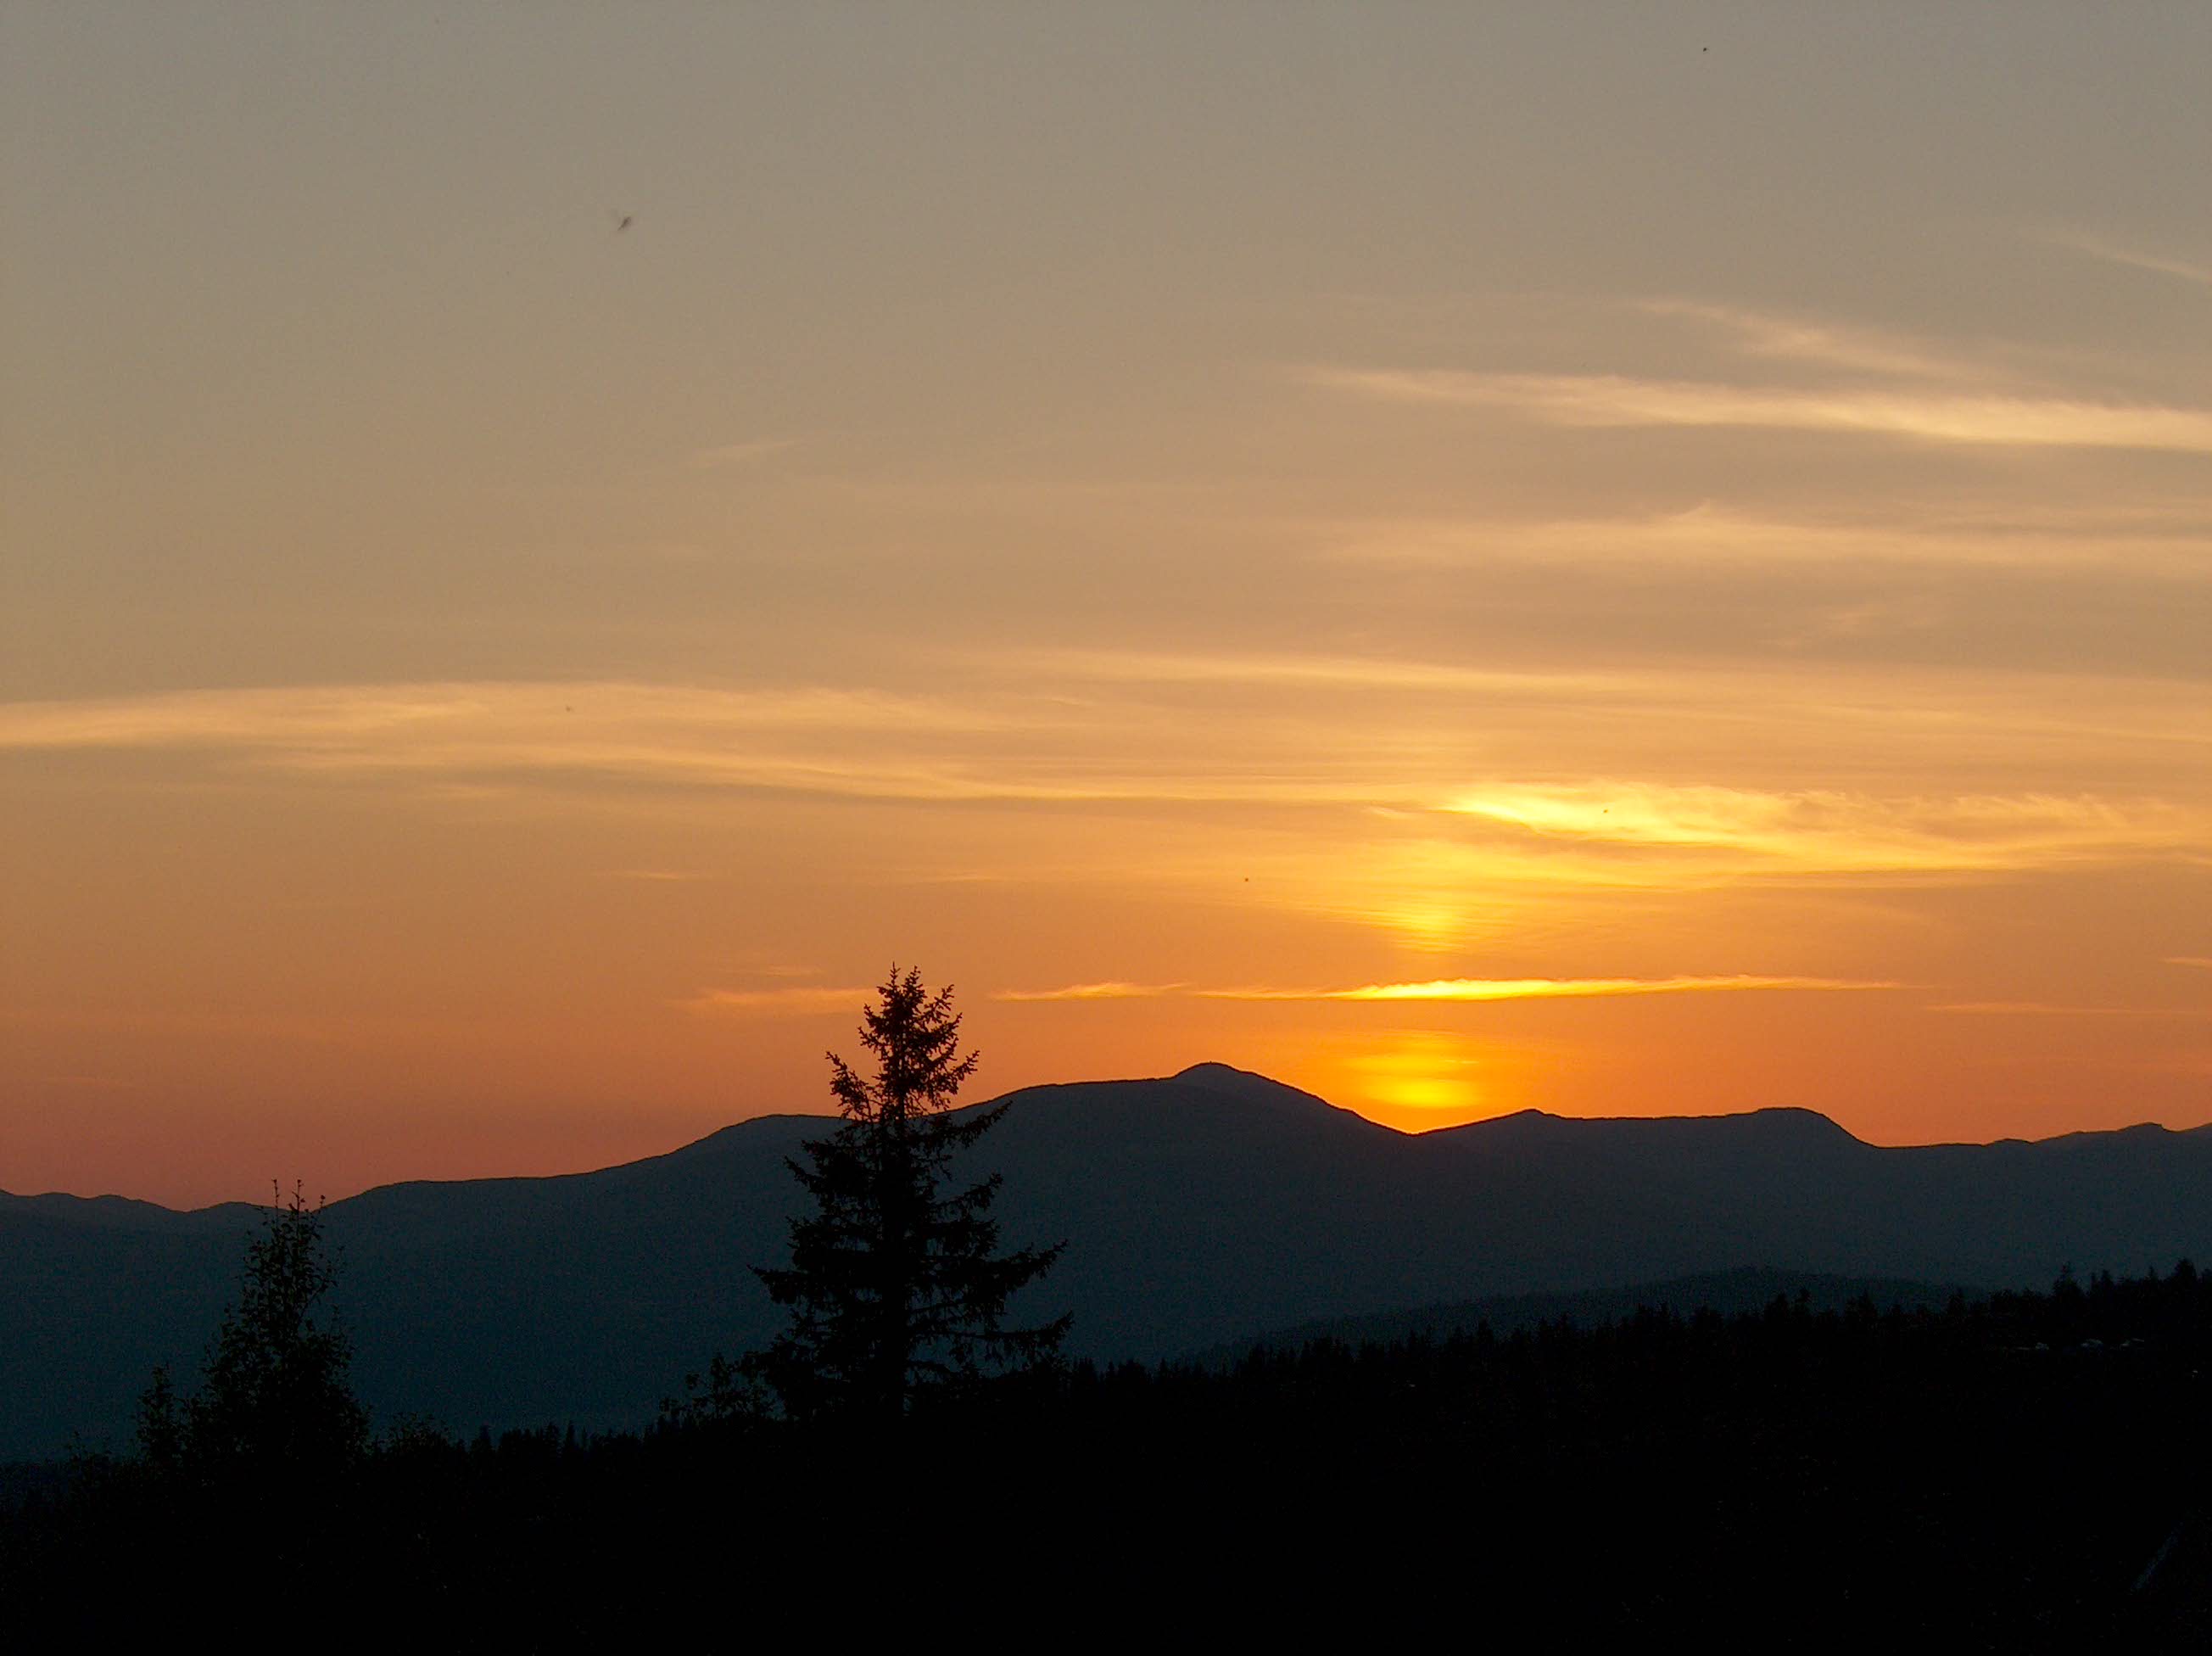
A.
pixel 1625 562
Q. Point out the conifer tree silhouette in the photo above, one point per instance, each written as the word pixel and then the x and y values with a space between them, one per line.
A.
pixel 274 1395
pixel 896 1287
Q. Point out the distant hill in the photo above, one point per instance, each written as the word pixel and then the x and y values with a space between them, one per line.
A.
pixel 1198 1209
pixel 1729 1293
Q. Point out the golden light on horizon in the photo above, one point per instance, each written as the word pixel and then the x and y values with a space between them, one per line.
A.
pixel 1417 1079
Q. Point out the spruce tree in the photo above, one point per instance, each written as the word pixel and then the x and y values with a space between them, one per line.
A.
pixel 896 1287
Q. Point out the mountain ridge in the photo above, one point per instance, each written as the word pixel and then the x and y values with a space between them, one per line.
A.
pixel 1744 1289
pixel 1199 1208
pixel 725 1135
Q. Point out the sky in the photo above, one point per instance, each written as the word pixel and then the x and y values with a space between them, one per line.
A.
pixel 1621 560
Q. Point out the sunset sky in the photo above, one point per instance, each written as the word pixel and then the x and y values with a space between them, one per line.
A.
pixel 1625 560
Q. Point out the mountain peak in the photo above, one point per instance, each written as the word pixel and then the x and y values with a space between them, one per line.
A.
pixel 1246 1084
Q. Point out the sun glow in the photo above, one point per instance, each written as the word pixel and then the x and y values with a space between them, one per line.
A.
pixel 1414 1080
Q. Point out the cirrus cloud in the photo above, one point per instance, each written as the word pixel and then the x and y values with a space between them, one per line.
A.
pixel 1452 989
pixel 1610 400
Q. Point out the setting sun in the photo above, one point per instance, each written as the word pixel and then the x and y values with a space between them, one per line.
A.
pixel 1422 1079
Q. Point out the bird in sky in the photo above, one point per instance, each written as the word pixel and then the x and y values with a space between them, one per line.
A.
pixel 622 220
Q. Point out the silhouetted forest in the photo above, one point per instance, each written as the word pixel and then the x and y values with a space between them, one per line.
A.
pixel 2005 1471
pixel 2018 1470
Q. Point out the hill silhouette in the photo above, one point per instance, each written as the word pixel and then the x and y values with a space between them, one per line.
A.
pixel 1199 1208
pixel 1727 1293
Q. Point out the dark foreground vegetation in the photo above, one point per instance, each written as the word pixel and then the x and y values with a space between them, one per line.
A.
pixel 2002 1472
pixel 2022 1472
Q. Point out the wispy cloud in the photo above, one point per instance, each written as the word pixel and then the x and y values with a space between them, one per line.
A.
pixel 318 715
pixel 1708 535
pixel 1106 991
pixel 859 743
pixel 1794 339
pixel 1387 740
pixel 1542 989
pixel 998 742
pixel 1320 672
pixel 2115 252
pixel 1451 988
pixel 2204 962
pixel 1598 400
pixel 1837 832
